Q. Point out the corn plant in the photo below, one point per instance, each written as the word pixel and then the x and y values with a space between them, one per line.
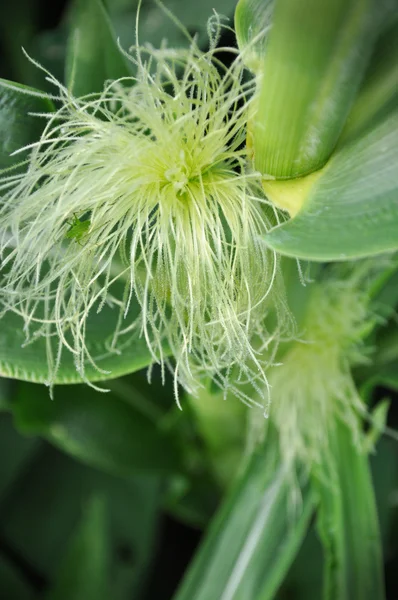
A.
pixel 198 293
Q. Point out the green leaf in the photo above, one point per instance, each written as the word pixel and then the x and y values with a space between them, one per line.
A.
pixel 19 21
pixel 18 450
pixel 383 370
pixel 384 290
pixel 378 95
pixel 29 362
pixel 192 499
pixel 175 21
pixel 219 424
pixel 387 346
pixel 384 464
pixel 304 580
pixel 92 55
pixel 18 126
pixel 84 574
pixel 195 15
pixel 49 50
pixel 40 513
pixel 4 395
pixel 252 540
pixel 12 585
pixel 193 495
pixel 384 375
pixel 352 209
pixel 99 429
pixel 348 523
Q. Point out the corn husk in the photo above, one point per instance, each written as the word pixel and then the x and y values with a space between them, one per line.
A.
pixel 314 60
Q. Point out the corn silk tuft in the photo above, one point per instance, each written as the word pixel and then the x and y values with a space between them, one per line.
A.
pixel 146 187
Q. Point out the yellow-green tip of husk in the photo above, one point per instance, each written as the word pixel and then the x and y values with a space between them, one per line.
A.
pixel 290 194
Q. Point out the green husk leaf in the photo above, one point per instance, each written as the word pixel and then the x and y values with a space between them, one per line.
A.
pixel 316 56
pixel 18 126
pixel 252 540
pixel 376 101
pixel 348 523
pixel 11 583
pixel 352 208
pixel 92 55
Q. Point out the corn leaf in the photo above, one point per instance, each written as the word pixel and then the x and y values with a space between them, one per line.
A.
pixel 19 451
pixel 100 430
pixel 18 126
pixel 42 512
pixel 18 28
pixel 253 539
pixel 11 583
pixel 29 362
pixel 352 209
pixel 4 395
pixel 384 369
pixel 348 523
pixel 92 55
pixel 84 574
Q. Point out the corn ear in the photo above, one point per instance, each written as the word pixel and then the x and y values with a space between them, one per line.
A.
pixel 314 61
pixel 376 101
